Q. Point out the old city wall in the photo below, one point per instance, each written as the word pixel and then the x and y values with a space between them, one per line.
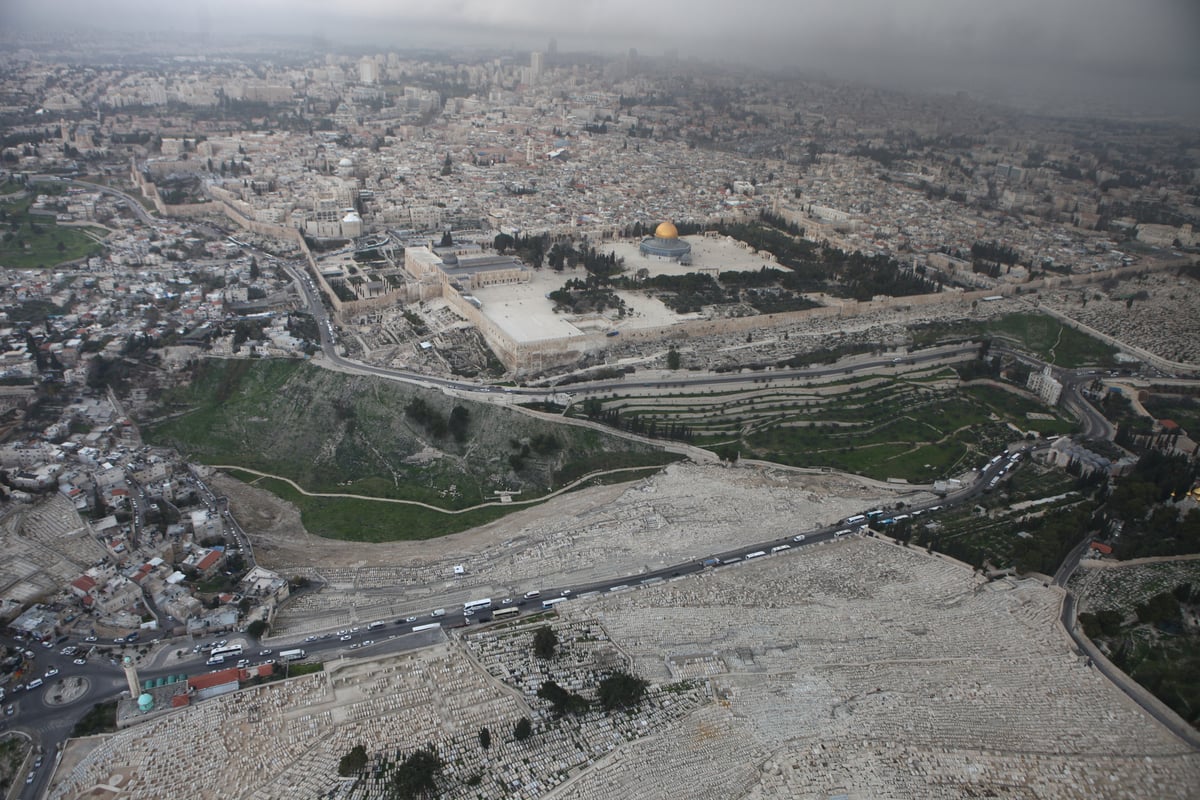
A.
pixel 536 356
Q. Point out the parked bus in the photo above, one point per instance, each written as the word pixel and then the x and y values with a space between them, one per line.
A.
pixel 552 602
pixel 291 655
pixel 225 652
pixel 856 519
pixel 510 611
pixel 471 606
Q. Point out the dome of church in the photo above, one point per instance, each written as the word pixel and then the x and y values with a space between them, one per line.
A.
pixel 666 230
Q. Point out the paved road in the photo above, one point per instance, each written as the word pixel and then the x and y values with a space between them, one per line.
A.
pixel 134 205
pixel 51 724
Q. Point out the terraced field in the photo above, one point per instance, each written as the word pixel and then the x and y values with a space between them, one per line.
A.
pixel 919 426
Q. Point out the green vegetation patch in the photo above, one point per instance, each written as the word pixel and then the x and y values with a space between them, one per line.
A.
pixel 1038 334
pixel 1138 615
pixel 34 241
pixel 1014 526
pixel 101 719
pixel 1181 409
pixel 918 427
pixel 371 520
pixel 341 434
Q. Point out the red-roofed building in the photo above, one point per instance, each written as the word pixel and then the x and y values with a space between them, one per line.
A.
pixel 83 586
pixel 180 700
pixel 209 562
pixel 213 684
pixel 1101 548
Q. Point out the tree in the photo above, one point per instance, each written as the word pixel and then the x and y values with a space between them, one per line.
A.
pixel 459 418
pixel 353 762
pixel 257 628
pixel 447 240
pixel 621 690
pixel 545 640
pixel 562 700
pixel 523 729
pixel 502 242
pixel 416 776
pixel 672 359
pixel 485 738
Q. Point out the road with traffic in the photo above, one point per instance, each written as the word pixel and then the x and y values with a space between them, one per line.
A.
pixel 102 679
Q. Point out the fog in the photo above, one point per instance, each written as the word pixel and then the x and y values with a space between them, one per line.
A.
pixel 1044 50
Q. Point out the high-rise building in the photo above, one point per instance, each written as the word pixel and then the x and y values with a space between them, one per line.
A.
pixel 537 62
pixel 368 71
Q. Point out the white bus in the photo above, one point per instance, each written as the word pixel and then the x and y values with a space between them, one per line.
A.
pixel 225 652
pixel 291 655
pixel 510 611
pixel 552 602
pixel 756 554
pixel 471 606
pixel 857 518
pixel 426 627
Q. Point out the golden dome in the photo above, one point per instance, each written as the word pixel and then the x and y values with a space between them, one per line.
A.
pixel 666 231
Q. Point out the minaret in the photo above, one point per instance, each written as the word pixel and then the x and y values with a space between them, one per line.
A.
pixel 131 675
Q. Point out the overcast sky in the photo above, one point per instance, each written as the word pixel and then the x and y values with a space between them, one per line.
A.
pixel 1121 47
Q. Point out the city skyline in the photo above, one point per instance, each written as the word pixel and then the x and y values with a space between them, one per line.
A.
pixel 1035 55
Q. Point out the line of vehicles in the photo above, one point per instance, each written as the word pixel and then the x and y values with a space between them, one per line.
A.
pixel 485 609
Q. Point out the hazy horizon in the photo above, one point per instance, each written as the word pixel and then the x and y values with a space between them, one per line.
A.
pixel 1141 57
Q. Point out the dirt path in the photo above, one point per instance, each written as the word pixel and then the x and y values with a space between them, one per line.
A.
pixel 282 543
pixel 489 504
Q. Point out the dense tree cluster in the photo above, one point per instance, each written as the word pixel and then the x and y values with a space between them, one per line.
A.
pixel 353 762
pixel 545 641
pixel 416 776
pixel 634 423
pixel 1142 506
pixel 429 418
pixel 561 700
pixel 620 691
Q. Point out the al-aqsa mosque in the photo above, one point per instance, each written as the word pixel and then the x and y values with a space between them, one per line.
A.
pixel 666 244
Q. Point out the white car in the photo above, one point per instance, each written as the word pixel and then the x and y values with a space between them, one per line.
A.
pixel 50 673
